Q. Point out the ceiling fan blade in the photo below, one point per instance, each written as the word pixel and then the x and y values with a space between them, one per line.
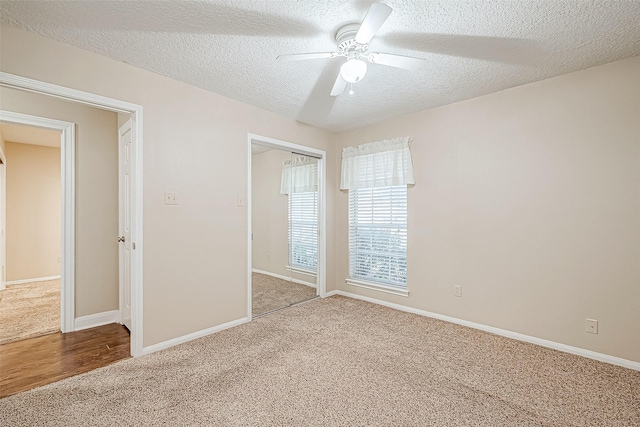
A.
pixel 318 106
pixel 505 50
pixel 377 14
pixel 338 86
pixel 303 56
pixel 398 61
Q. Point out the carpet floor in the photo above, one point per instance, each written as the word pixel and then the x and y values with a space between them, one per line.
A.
pixel 270 293
pixel 29 310
pixel 340 362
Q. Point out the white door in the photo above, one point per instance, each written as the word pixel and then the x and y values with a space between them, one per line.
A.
pixel 124 239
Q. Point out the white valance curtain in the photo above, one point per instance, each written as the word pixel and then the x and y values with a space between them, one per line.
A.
pixel 299 175
pixel 377 164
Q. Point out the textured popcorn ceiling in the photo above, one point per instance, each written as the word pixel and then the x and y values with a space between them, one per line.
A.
pixel 471 47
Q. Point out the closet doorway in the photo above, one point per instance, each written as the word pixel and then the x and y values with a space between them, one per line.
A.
pixel 286 213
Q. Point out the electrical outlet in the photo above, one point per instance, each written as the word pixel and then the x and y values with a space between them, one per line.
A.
pixel 240 202
pixel 591 326
pixel 457 290
pixel 58 259
pixel 170 198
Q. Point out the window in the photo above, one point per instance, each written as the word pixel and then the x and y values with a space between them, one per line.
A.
pixel 377 175
pixel 303 230
pixel 378 235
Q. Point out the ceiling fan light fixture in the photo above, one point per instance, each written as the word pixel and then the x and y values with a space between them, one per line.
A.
pixel 353 70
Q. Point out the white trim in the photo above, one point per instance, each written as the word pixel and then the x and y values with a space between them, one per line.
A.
pixel 37 279
pixel 502 332
pixel 322 207
pixel 98 319
pixel 378 287
pixel 135 110
pixel 321 277
pixel 67 183
pixel 24 83
pixel 283 277
pixel 249 235
pixel 301 271
pixel 192 336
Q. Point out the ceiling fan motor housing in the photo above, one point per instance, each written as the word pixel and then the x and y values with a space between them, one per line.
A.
pixel 346 39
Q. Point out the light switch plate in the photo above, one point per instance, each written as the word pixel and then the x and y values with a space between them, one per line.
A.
pixel 170 198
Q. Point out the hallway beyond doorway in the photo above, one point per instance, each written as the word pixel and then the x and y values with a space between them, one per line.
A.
pixel 29 310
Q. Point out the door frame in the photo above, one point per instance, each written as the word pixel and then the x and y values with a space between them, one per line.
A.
pixel 322 207
pixel 67 187
pixel 135 110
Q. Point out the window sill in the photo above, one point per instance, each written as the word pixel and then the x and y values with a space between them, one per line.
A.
pixel 301 271
pixel 378 287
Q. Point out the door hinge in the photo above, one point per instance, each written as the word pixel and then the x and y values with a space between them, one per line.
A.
pixel 133 245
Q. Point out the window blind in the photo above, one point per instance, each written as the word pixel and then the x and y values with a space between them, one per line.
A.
pixel 378 235
pixel 303 230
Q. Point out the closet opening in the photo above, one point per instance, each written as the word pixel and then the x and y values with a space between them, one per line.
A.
pixel 286 214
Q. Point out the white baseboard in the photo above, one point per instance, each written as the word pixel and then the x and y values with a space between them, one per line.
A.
pixel 98 319
pixel 37 279
pixel 280 276
pixel 503 332
pixel 301 271
pixel 189 337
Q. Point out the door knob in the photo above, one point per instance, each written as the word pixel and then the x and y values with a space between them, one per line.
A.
pixel 121 239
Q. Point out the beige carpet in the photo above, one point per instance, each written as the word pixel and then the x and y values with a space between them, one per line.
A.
pixel 340 362
pixel 270 293
pixel 29 310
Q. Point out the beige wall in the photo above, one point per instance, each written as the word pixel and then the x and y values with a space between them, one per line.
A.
pixel 270 216
pixel 195 143
pixel 33 211
pixel 269 213
pixel 528 198
pixel 96 261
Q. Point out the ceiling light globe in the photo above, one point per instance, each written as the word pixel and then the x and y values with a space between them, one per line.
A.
pixel 353 70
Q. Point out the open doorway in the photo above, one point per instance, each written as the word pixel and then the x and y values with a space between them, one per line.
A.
pixel 31 214
pixel 286 211
pixel 86 305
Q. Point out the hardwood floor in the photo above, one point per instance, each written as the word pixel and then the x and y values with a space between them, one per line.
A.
pixel 33 362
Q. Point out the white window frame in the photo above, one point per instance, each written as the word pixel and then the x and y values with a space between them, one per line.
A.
pixel 394 219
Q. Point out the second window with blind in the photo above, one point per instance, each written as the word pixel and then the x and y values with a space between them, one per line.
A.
pixel 377 176
pixel 378 235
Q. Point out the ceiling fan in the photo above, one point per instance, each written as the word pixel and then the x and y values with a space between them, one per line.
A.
pixel 353 44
